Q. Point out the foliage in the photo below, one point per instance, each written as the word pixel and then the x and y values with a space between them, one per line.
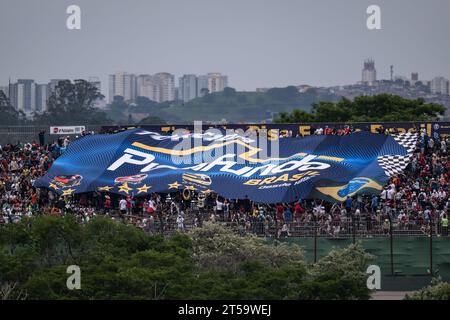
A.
pixel 119 261
pixel 240 106
pixel 9 291
pixel 340 275
pixel 229 92
pixel 438 290
pixel 122 111
pixel 293 107
pixel 382 107
pixel 73 103
pixel 152 120
pixel 10 116
pixel 215 245
pixel 117 109
pixel 284 94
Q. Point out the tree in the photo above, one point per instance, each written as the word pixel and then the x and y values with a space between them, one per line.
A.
pixel 72 103
pixel 284 94
pixel 297 116
pixel 210 98
pixel 242 99
pixel 382 107
pixel 117 109
pixel 215 245
pixel 260 100
pixel 10 116
pixel 152 120
pixel 144 102
pixel 340 275
pixel 119 261
pixel 229 92
pixel 204 92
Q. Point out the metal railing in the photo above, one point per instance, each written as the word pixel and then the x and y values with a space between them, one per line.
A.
pixel 351 230
pixel 271 227
pixel 15 134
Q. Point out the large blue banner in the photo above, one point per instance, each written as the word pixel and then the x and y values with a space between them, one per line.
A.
pixel 437 129
pixel 138 162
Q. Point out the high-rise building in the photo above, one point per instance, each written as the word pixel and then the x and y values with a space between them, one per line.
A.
pixel 29 97
pixel 210 83
pixel 439 85
pixel 160 87
pixel 187 89
pixel 122 84
pixel 167 86
pixel 414 76
pixel 140 79
pixel 23 96
pixel 116 85
pixel 41 97
pixel 369 73
pixel 148 86
pixel 130 87
pixel 32 98
pixel 216 82
pixel 202 85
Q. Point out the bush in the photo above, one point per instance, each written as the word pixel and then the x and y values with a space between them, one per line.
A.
pixel 122 262
pixel 438 290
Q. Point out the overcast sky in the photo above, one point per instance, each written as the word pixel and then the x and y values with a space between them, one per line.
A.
pixel 257 43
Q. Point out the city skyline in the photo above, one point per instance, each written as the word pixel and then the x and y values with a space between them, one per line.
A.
pixel 31 97
pixel 288 42
pixel 408 75
pixel 105 88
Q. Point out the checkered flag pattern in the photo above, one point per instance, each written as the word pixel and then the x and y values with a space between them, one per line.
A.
pixel 395 164
pixel 407 140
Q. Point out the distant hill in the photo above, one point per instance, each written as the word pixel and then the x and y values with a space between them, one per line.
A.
pixel 237 106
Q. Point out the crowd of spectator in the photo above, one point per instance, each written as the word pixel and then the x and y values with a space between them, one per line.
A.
pixel 416 201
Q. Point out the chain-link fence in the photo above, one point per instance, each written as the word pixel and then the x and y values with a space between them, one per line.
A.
pixel 400 248
pixel 415 248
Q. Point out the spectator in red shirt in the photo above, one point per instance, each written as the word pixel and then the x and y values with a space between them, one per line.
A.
pixel 298 211
pixel 280 212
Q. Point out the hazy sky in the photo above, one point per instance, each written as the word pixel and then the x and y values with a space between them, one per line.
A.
pixel 257 43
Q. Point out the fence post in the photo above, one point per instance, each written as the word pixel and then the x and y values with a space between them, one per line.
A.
pixel 391 240
pixel 431 245
pixel 353 229
pixel 276 227
pixel 315 239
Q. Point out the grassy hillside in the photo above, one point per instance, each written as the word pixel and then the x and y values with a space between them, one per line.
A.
pixel 240 106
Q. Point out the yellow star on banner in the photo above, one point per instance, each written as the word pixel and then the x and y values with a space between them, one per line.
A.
pixel 207 191
pixel 54 186
pixel 68 192
pixel 105 188
pixel 192 188
pixel 143 189
pixel 174 185
pixel 125 188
